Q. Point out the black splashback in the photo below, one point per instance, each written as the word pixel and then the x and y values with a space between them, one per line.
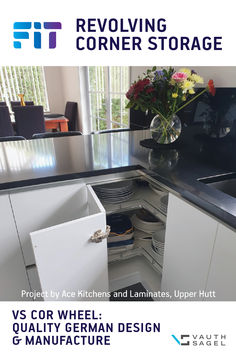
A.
pixel 140 119
pixel 208 117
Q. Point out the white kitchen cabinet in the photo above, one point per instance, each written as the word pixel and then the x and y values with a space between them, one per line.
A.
pixel 67 261
pixel 190 236
pixel 55 223
pixel 222 271
pixel 13 277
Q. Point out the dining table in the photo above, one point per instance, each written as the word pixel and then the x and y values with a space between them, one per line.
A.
pixel 60 123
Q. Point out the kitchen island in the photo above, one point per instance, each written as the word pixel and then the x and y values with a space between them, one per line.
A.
pixel 35 173
pixel 32 162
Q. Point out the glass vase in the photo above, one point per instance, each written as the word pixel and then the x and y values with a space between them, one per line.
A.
pixel 165 130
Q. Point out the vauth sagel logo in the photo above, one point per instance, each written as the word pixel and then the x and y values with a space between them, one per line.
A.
pixel 23 30
pixel 210 340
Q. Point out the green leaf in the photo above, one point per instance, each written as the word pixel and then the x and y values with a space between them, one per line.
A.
pixel 129 104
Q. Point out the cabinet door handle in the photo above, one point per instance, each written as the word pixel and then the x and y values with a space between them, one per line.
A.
pixel 99 235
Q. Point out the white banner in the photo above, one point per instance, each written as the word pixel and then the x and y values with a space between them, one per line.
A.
pixel 161 327
pixel 122 33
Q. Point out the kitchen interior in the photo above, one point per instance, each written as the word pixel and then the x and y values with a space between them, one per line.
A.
pixel 103 211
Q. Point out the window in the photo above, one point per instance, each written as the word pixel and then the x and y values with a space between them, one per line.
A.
pixel 28 80
pixel 107 86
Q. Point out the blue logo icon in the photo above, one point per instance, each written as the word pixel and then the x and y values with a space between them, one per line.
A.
pixel 21 31
pixel 183 336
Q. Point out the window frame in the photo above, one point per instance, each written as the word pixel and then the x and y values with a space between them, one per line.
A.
pixel 108 93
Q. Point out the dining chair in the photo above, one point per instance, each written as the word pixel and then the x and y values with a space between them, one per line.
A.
pixel 17 103
pixel 6 128
pixel 29 120
pixel 55 134
pixel 11 138
pixel 71 111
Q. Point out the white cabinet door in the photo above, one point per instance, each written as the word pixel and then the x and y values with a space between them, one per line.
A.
pixel 222 276
pixel 44 206
pixel 13 278
pixel 68 263
pixel 190 236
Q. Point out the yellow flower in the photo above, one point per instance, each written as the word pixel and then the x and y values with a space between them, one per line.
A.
pixel 192 92
pixel 184 98
pixel 187 85
pixel 186 71
pixel 174 95
pixel 198 79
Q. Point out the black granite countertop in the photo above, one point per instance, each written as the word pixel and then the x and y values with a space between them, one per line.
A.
pixel 32 162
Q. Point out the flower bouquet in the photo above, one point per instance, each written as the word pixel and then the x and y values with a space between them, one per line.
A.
pixel 166 92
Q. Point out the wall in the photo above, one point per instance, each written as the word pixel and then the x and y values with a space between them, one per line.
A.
pixel 223 76
pixel 71 89
pixel 62 86
pixel 53 78
pixel 70 79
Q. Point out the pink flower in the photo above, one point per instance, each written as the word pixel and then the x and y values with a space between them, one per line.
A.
pixel 179 77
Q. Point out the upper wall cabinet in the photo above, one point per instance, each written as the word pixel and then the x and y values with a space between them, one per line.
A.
pixel 13 278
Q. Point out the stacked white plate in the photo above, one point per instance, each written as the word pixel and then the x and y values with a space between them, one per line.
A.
pixel 164 204
pixel 146 226
pixel 115 192
pixel 158 242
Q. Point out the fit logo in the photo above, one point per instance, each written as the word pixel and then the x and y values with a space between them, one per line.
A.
pixel 21 31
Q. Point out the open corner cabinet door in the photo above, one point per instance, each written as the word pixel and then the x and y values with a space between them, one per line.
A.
pixel 70 266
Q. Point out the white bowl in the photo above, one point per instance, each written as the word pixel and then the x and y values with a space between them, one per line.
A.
pixel 146 226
